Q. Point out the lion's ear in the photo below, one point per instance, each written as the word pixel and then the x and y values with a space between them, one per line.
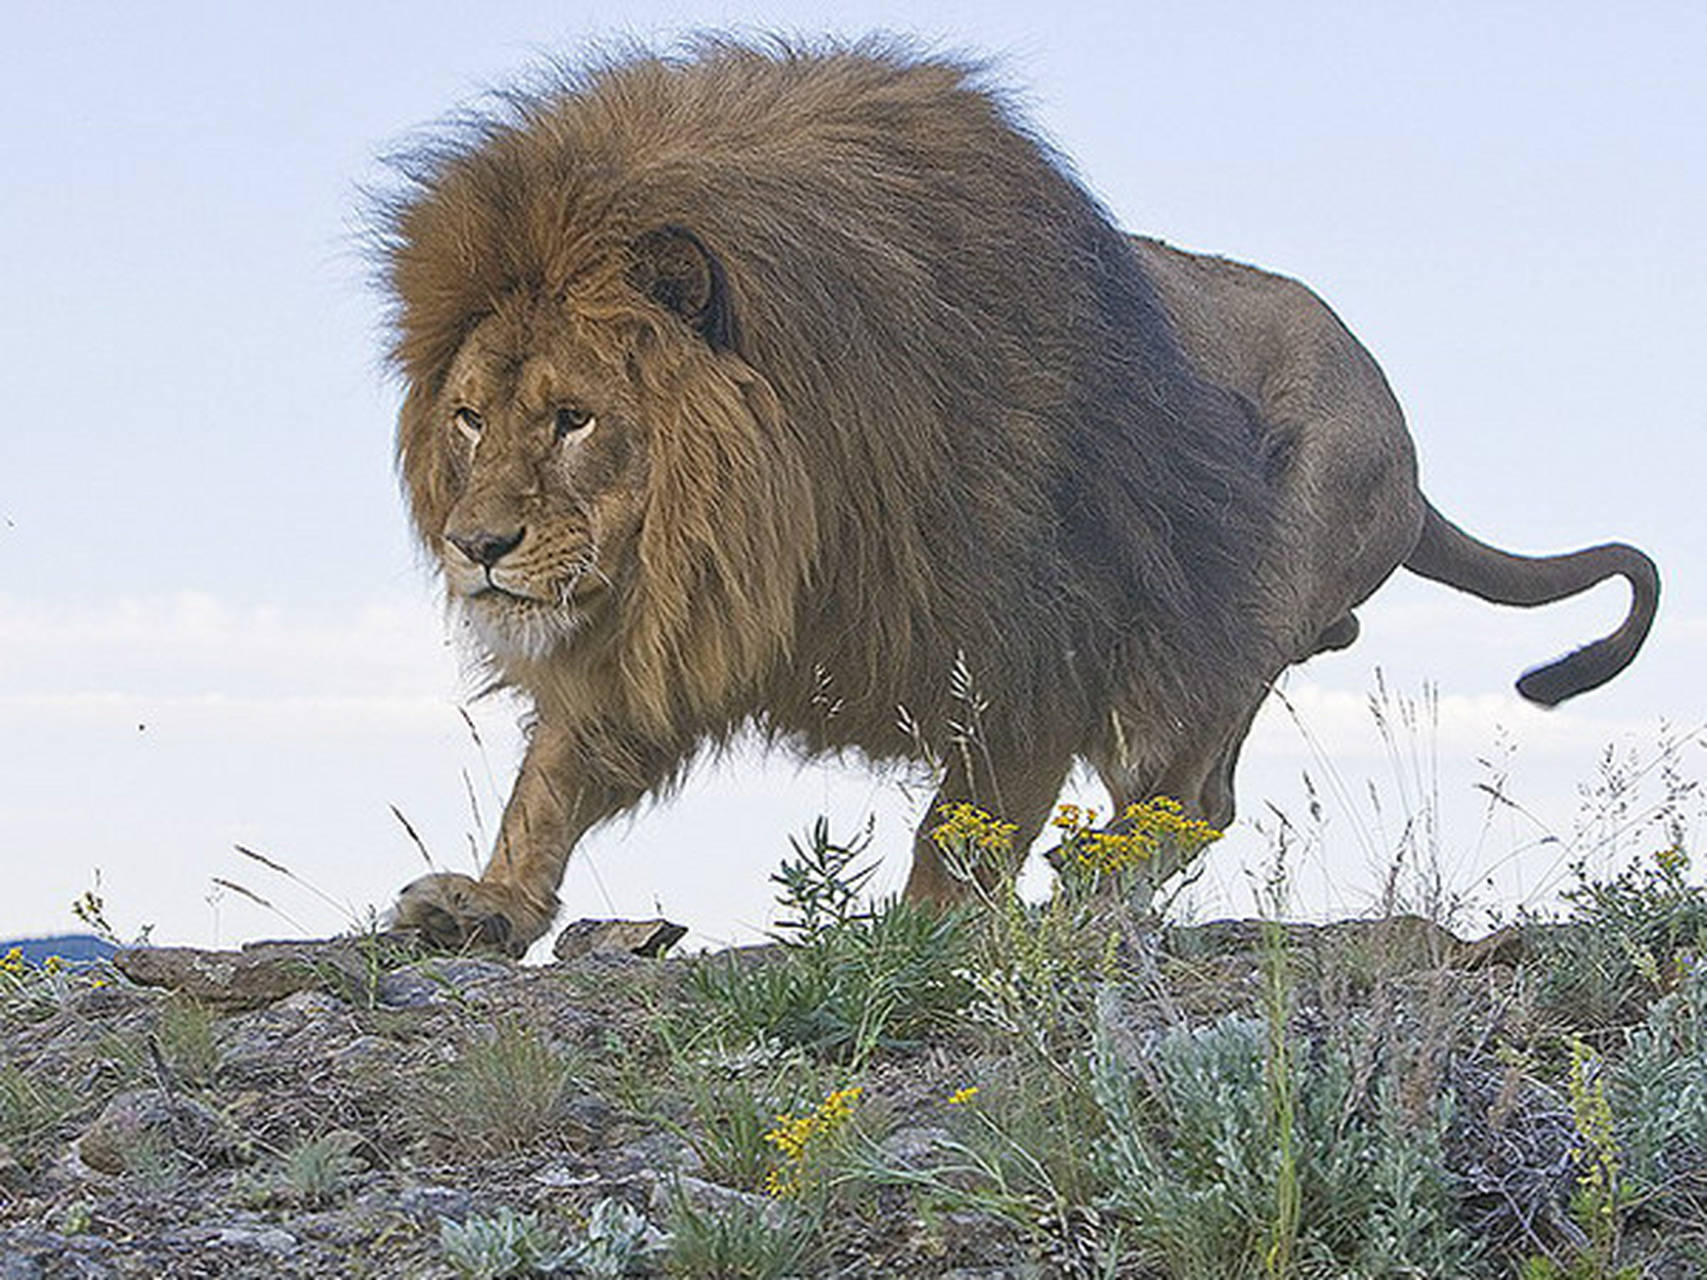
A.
pixel 673 267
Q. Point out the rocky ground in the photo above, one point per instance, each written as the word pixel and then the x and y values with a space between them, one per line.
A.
pixel 342 1108
pixel 196 1094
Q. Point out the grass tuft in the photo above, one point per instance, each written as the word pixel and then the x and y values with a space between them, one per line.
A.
pixel 500 1095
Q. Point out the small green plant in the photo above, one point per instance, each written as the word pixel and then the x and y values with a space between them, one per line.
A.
pixel 315 1172
pixel 1030 966
pixel 1016 1150
pixel 501 1094
pixel 1145 842
pixel 186 1039
pixel 91 909
pixel 1624 940
pixel 1281 1077
pixel 613 1243
pixel 76 1217
pixel 29 993
pixel 816 887
pixel 502 1246
pixel 1657 1092
pixel 378 952
pixel 32 1106
pixel 1599 1185
pixel 879 982
pixel 734 1099
pixel 1194 1170
pixel 742 1240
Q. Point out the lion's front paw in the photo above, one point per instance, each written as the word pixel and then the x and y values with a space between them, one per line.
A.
pixel 457 913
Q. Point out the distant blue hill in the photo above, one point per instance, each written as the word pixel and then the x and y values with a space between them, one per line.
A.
pixel 73 948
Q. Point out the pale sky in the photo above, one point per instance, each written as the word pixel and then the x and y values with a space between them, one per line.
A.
pixel 214 629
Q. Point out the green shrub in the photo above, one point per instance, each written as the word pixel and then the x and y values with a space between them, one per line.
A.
pixel 32 1107
pixel 843 984
pixel 734 1104
pixel 1192 1160
pixel 505 1245
pixel 1657 1092
pixel 741 1240
pixel 1623 940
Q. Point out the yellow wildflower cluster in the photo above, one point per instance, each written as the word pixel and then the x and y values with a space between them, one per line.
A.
pixel 1140 832
pixel 19 972
pixel 960 1097
pixel 796 1136
pixel 1672 860
pixel 967 827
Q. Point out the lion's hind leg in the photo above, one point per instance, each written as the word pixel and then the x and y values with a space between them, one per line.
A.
pixel 1198 774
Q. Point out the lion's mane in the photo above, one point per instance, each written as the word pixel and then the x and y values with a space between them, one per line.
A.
pixel 934 409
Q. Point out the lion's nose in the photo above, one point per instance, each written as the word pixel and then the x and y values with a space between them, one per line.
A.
pixel 485 548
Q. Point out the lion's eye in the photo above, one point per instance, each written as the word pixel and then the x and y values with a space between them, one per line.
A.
pixel 572 422
pixel 468 422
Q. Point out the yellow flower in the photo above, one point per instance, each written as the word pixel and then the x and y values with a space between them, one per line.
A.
pixel 1139 833
pixel 960 1097
pixel 1672 860
pixel 795 1136
pixel 965 826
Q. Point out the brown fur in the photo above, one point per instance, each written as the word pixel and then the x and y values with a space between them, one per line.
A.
pixel 876 389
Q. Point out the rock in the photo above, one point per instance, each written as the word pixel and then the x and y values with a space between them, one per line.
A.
pixel 252 1048
pixel 646 938
pixel 261 972
pixel 267 1239
pixel 368 1053
pixel 914 1146
pixel 653 1154
pixel 1404 943
pixel 30 1253
pixel 1510 945
pixel 430 1202
pixel 713 1199
pixel 968 1231
pixel 440 980
pixel 143 1128
pixel 588 1116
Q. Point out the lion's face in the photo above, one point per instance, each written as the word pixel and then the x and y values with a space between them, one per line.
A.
pixel 604 478
pixel 541 428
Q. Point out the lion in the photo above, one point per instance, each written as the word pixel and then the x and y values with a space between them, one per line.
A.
pixel 800 388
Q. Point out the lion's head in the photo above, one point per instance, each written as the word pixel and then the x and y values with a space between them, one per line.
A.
pixel 603 480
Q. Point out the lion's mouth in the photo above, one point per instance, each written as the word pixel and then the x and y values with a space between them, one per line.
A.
pixel 571 592
pixel 492 593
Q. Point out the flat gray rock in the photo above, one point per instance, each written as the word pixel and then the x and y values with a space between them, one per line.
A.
pixel 647 938
pixel 263 972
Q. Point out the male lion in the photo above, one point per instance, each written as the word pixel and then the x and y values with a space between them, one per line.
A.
pixel 764 386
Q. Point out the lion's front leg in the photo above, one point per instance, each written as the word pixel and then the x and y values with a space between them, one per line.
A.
pixel 559 793
pixel 1022 790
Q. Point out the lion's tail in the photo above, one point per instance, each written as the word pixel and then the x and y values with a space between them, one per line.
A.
pixel 1447 554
